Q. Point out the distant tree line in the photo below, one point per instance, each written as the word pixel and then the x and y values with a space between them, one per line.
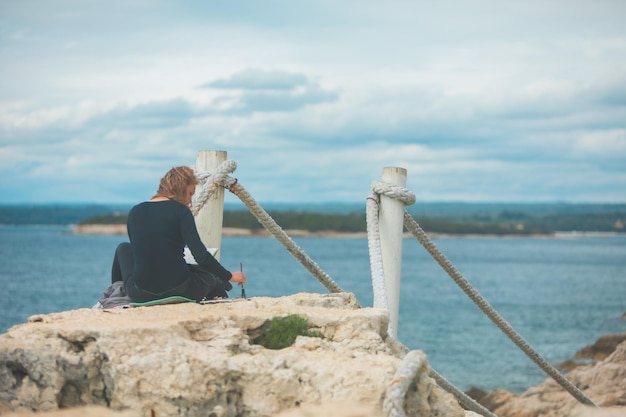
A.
pixel 503 223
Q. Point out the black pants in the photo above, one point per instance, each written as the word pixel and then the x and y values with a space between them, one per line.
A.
pixel 201 284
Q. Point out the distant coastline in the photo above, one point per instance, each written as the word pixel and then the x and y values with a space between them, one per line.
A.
pixel 328 220
pixel 120 229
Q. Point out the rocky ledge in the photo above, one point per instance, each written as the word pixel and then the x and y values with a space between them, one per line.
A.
pixel 209 360
pixel 603 380
pixel 202 360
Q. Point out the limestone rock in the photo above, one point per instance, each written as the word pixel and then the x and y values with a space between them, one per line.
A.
pixel 197 360
pixel 586 411
pixel 603 382
pixel 599 351
pixel 602 348
pixel 88 411
pixel 341 409
pixel 476 393
pixel 497 398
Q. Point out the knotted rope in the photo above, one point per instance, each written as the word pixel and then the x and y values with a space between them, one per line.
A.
pixel 220 178
pixel 412 366
pixel 480 302
pixel 394 398
pixel 394 191
pixel 373 236
pixel 376 256
pixel 411 369
pixel 210 182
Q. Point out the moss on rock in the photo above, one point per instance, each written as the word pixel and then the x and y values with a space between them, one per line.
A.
pixel 281 332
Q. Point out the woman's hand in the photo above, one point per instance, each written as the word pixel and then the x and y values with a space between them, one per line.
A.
pixel 238 277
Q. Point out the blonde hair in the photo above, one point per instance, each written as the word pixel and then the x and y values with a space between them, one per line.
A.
pixel 175 182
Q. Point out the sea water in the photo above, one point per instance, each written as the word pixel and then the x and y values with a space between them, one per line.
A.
pixel 560 294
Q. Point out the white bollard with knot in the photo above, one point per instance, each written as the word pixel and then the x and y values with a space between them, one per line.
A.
pixel 391 220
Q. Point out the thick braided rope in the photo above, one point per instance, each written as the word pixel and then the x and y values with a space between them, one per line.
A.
pixel 413 364
pixel 493 315
pixel 380 294
pixel 376 258
pixel 210 183
pixel 373 235
pixel 394 191
pixel 274 229
pixel 465 400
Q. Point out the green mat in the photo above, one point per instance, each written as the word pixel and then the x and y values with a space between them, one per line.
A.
pixel 175 299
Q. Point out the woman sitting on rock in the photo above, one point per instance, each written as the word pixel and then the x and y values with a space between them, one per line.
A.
pixel 152 266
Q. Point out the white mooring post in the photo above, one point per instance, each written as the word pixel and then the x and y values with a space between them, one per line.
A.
pixel 209 218
pixel 391 224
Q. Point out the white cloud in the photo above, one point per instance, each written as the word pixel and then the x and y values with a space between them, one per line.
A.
pixel 605 143
pixel 260 79
pixel 479 101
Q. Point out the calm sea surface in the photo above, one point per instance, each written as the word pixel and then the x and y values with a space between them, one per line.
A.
pixel 560 294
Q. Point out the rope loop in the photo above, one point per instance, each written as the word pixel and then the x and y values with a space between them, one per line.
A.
pixel 394 191
pixel 413 365
pixel 376 258
pixel 230 187
pixel 210 181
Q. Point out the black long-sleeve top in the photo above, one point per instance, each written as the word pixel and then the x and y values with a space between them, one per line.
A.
pixel 158 232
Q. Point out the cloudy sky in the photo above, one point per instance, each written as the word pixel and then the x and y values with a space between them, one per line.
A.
pixel 520 101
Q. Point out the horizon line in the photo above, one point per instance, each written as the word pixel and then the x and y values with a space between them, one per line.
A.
pixel 320 203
